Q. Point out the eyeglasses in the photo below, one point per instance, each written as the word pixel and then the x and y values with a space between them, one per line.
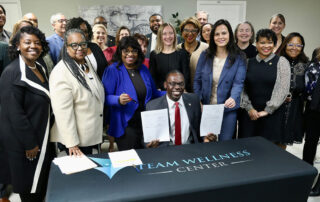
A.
pixel 75 46
pixel 193 31
pixel 296 45
pixel 133 51
pixel 173 84
pixel 62 20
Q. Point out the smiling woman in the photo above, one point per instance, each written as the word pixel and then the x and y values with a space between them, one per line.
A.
pixel 244 35
pixel 219 76
pixel 128 88
pixel 265 91
pixel 25 115
pixel 190 29
pixel 293 50
pixel 166 57
pixel 77 98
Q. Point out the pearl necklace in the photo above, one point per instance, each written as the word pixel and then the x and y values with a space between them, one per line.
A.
pixel 33 68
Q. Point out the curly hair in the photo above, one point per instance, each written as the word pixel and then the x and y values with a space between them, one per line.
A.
pixel 126 42
pixel 13 51
pixel 192 20
pixel 302 56
pixel 74 23
pixel 232 48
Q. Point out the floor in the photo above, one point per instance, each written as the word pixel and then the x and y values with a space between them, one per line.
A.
pixel 296 150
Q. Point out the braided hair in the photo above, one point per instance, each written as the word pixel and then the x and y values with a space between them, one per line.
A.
pixel 70 62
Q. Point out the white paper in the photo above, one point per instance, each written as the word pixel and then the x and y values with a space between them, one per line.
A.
pixel 155 125
pixel 73 164
pixel 211 119
pixel 124 158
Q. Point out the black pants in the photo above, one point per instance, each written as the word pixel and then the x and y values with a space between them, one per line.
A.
pixel 28 197
pixel 131 139
pixel 312 135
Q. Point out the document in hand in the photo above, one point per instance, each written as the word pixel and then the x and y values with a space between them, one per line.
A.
pixel 155 125
pixel 124 158
pixel 211 119
pixel 72 164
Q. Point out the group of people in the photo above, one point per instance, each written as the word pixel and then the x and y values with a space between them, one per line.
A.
pixel 68 87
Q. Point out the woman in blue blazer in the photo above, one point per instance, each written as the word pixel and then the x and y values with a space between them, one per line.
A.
pixel 220 74
pixel 128 88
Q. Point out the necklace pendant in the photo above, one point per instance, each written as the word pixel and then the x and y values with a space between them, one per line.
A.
pixel 132 74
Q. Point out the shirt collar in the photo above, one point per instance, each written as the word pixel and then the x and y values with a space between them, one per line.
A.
pixel 259 59
pixel 171 103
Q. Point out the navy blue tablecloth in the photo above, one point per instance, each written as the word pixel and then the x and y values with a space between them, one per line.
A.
pixel 250 169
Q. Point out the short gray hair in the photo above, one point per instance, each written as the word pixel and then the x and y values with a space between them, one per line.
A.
pixel 72 31
pixel 205 12
pixel 55 17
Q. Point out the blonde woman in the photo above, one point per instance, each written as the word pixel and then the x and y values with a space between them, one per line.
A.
pixel 100 37
pixel 166 57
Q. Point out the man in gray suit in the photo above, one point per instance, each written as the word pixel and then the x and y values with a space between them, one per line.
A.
pixel 189 108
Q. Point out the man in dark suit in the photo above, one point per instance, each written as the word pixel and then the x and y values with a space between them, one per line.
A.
pixel 111 41
pixel 189 108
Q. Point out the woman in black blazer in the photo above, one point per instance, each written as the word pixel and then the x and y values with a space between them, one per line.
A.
pixel 25 115
pixel 95 54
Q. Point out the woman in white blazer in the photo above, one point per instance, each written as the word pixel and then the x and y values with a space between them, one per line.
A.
pixel 77 98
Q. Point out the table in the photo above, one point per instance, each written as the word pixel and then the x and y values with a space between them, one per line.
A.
pixel 249 169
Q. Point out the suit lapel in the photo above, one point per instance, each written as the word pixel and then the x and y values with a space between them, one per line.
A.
pixel 189 109
pixel 225 70
pixel 33 86
pixel 98 90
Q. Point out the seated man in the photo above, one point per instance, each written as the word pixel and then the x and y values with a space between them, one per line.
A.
pixel 184 112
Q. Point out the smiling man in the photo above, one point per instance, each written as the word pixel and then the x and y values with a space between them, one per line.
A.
pixel 184 112
pixel 58 22
pixel 4 34
pixel 155 21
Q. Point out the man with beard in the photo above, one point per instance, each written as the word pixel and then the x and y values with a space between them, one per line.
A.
pixel 155 21
pixel 184 112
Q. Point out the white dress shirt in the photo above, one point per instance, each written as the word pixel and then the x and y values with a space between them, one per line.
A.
pixel 153 41
pixel 185 131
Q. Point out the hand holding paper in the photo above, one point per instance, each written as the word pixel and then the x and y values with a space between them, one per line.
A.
pixel 211 119
pixel 155 125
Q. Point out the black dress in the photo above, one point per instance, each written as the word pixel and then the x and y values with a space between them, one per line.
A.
pixel 293 121
pixel 259 83
pixel 162 63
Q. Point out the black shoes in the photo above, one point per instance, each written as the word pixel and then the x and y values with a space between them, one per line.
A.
pixel 315 191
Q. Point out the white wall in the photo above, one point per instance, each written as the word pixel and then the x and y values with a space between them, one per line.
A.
pixel 301 16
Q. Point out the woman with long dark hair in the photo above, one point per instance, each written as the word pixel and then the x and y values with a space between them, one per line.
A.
pixel 94 52
pixel 77 98
pixel 220 74
pixel 292 49
pixel 128 88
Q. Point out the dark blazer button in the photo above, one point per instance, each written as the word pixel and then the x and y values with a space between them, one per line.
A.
pixel 100 115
